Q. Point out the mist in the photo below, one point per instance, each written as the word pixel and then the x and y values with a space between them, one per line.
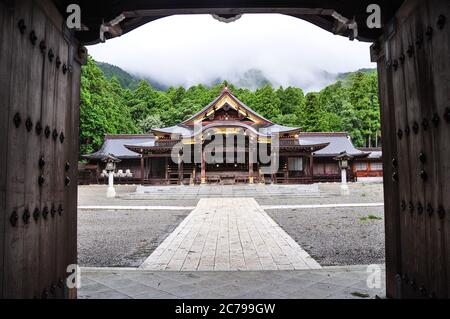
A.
pixel 193 49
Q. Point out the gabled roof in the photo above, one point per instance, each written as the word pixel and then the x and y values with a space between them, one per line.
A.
pixel 224 98
pixel 338 142
pixel 262 125
pixel 115 145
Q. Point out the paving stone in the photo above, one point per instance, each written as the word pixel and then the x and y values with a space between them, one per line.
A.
pixel 259 294
pixel 356 293
pixel 86 281
pixel 310 293
pixel 207 295
pixel 118 283
pixel 298 282
pixel 324 283
pixel 209 284
pixel 109 294
pixel 94 289
pixel 155 295
pixel 136 289
pixel 329 288
pixel 231 291
pixel 227 234
pixel 338 281
pixel 183 290
pixel 281 290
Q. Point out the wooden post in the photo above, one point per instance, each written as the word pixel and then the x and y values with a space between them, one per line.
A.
pixel 180 170
pixel 142 169
pixel 258 171
pixel 311 167
pixel 250 166
pixel 286 176
pixel 149 168
pixel 203 169
pixel 166 169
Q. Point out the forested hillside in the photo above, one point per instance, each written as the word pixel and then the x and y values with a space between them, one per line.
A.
pixel 111 106
pixel 125 79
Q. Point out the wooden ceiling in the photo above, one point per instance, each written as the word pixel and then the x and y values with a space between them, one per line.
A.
pixel 140 12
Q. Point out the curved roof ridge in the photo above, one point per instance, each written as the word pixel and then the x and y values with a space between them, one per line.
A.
pixel 227 91
pixel 174 129
pixel 125 136
pixel 324 133
pixel 247 107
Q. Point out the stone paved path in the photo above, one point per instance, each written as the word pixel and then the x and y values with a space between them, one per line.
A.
pixel 348 282
pixel 225 234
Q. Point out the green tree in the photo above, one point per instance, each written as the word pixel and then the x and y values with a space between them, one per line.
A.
pixel 363 95
pixel 292 100
pixel 311 114
pixel 150 122
pixel 102 108
pixel 266 102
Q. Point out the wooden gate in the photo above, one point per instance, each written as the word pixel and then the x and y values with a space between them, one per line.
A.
pixel 414 76
pixel 40 65
pixel 39 98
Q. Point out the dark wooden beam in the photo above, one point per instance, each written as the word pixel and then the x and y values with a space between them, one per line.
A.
pixel 142 169
pixel 94 13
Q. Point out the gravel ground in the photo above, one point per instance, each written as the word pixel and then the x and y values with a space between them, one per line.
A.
pixel 330 194
pixel 336 236
pixel 122 238
pixel 333 236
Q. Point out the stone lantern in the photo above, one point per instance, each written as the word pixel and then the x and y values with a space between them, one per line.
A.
pixel 110 168
pixel 343 158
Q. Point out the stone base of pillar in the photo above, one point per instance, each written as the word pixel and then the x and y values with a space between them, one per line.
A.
pixel 344 190
pixel 110 192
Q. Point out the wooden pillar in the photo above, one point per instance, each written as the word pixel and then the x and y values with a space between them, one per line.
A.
pixel 142 169
pixel 180 170
pixel 311 167
pixel 166 169
pixel 149 168
pixel 258 171
pixel 203 169
pixel 286 176
pixel 274 161
pixel 250 166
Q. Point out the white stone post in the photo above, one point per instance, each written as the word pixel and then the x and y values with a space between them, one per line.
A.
pixel 111 192
pixel 344 186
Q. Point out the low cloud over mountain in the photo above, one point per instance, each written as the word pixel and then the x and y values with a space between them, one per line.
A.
pixel 187 50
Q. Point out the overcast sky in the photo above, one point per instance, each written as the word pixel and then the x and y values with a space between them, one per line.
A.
pixel 191 49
